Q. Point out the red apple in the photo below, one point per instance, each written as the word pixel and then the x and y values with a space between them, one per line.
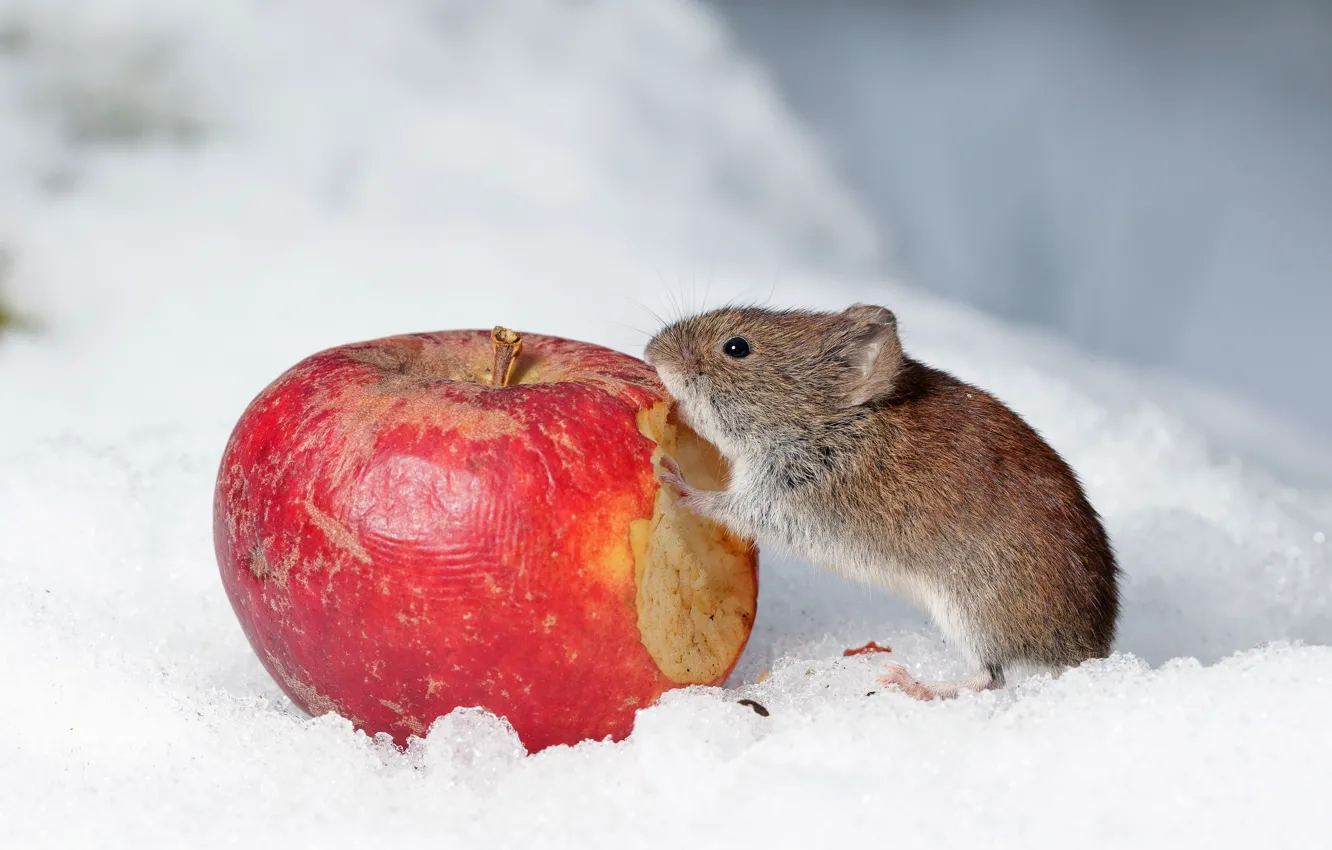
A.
pixel 400 537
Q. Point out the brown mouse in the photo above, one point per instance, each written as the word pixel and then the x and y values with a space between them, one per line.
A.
pixel 847 452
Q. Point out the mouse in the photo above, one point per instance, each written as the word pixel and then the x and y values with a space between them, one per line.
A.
pixel 847 452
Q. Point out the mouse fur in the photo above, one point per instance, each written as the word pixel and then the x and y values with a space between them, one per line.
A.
pixel 851 454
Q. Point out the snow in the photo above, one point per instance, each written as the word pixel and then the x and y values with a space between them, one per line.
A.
pixel 197 195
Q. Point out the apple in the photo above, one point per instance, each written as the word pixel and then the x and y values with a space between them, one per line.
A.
pixel 470 518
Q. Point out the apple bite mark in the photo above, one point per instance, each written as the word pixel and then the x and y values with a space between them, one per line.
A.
pixel 697 582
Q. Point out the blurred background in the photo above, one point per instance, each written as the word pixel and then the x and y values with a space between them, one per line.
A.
pixel 1151 180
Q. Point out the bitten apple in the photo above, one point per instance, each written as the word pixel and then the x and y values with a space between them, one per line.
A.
pixel 422 522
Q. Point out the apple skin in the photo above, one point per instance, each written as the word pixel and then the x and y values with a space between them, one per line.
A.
pixel 399 538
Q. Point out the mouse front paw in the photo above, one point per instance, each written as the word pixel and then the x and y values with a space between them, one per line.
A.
pixel 670 476
pixel 668 473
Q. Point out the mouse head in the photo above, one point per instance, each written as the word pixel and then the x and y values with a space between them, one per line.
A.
pixel 746 375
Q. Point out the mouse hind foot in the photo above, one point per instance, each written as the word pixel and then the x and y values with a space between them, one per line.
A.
pixel 898 677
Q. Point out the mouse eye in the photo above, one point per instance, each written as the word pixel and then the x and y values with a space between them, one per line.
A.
pixel 736 346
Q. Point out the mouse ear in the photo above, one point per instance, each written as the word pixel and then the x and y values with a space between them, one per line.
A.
pixel 874 351
pixel 869 314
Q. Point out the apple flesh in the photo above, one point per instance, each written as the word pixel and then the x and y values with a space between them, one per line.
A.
pixel 399 537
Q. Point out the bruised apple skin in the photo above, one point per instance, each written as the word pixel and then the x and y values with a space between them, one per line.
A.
pixel 400 537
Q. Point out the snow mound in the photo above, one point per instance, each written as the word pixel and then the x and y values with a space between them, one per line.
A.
pixel 205 193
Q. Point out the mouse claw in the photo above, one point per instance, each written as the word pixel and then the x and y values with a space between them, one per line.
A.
pixel 898 677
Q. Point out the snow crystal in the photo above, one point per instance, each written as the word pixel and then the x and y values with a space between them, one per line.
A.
pixel 200 194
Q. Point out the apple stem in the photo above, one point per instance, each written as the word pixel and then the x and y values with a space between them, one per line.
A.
pixel 508 344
